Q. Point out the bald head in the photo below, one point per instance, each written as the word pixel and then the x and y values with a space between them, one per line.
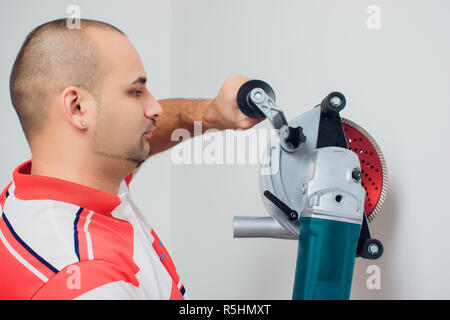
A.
pixel 51 58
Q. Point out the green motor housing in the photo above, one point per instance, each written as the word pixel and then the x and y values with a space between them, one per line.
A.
pixel 325 259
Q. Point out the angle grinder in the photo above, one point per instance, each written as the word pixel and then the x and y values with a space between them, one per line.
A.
pixel 326 178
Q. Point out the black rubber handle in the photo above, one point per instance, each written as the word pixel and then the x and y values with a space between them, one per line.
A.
pixel 245 104
pixel 333 103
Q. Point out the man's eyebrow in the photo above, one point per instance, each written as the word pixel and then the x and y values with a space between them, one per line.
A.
pixel 141 80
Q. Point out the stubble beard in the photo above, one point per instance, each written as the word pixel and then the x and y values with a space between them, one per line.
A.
pixel 134 154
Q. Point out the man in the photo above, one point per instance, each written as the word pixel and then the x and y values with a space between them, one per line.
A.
pixel 69 228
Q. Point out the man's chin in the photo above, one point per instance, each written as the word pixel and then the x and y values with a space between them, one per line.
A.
pixel 145 156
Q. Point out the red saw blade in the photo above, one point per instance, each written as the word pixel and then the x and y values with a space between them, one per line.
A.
pixel 373 166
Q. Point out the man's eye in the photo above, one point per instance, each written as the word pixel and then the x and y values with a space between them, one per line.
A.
pixel 137 93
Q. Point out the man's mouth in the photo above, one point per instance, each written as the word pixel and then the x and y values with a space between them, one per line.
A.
pixel 149 133
pixel 150 130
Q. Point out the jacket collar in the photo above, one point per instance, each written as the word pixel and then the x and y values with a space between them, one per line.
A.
pixel 36 187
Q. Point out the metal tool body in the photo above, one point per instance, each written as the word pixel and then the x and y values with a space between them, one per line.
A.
pixel 313 193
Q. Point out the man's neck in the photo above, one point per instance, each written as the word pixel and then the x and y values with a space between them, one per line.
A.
pixel 81 172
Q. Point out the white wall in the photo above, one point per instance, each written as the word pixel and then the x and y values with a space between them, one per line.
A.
pixel 396 81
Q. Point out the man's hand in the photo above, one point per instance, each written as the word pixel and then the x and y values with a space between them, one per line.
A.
pixel 223 112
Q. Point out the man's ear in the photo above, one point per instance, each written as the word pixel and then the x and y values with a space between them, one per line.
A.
pixel 72 100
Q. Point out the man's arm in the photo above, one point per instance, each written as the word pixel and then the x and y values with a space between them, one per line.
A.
pixel 219 113
pixel 178 113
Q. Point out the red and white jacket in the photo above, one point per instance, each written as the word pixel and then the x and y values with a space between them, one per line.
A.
pixel 63 240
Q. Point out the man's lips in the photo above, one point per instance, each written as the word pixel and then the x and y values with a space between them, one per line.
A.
pixel 149 133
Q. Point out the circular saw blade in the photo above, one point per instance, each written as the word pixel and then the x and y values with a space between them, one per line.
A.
pixel 373 166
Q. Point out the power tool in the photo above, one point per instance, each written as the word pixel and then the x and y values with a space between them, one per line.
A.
pixel 324 180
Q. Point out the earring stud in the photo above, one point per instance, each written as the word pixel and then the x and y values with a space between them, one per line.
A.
pixel 83 123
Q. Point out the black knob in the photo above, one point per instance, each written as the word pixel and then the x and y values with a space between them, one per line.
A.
pixel 333 103
pixel 372 249
pixel 243 97
pixel 356 174
pixel 295 136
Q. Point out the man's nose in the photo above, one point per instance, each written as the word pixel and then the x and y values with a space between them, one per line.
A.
pixel 153 109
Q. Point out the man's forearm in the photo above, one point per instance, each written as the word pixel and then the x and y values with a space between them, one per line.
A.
pixel 220 113
pixel 178 113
